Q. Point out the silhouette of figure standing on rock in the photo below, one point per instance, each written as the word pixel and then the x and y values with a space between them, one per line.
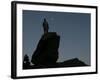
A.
pixel 45 26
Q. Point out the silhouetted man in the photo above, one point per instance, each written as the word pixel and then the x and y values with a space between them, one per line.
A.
pixel 45 26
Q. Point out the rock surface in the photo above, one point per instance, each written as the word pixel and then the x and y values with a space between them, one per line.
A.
pixel 75 62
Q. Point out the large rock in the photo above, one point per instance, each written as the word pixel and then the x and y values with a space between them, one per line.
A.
pixel 46 52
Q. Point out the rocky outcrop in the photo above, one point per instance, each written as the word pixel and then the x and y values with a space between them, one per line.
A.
pixel 46 52
pixel 72 63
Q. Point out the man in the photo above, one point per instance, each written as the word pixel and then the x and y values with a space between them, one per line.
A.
pixel 45 26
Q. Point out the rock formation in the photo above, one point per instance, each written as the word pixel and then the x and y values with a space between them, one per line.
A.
pixel 46 52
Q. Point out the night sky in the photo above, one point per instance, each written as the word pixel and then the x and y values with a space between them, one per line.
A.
pixel 73 28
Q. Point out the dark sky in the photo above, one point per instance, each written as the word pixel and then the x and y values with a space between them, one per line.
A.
pixel 73 28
